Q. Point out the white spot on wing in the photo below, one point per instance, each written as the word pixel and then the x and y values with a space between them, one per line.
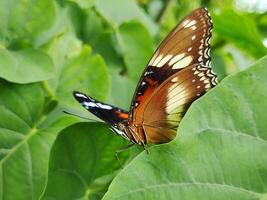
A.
pixel 157 60
pixel 191 23
pixel 80 95
pixel 183 62
pixel 176 97
pixel 89 104
pixel 164 60
pixel 193 37
pixel 186 22
pixel 98 105
pixel 175 79
pixel 107 107
pixel 176 58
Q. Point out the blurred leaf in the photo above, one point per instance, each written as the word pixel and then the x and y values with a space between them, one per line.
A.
pixel 84 4
pixel 25 140
pixel 86 73
pixel 219 153
pixel 24 19
pixel 137 47
pixel 119 11
pixel 104 45
pixel 218 65
pixel 25 66
pixel 83 162
pixel 122 91
pixel 173 11
pixel 93 26
pixel 240 30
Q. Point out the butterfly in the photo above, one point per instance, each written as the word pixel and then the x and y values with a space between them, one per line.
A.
pixel 178 73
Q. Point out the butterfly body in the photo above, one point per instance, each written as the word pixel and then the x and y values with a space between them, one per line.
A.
pixel 178 73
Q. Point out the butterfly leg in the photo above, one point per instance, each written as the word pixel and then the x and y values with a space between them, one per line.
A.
pixel 122 150
pixel 145 148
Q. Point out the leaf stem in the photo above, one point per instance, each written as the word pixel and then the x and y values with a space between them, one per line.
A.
pixel 47 89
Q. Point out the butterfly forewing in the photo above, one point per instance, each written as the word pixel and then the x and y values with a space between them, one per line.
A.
pixel 181 56
pixel 108 113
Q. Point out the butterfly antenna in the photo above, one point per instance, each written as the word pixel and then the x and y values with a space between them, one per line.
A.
pixel 117 152
pixel 69 113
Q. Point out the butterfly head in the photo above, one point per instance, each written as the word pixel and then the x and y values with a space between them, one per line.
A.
pixel 120 129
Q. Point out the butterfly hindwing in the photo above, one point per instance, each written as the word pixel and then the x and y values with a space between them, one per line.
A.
pixel 166 107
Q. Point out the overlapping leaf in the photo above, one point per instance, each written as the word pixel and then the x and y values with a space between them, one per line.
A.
pixel 137 47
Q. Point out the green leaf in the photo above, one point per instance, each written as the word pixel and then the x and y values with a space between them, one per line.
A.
pixel 240 30
pixel 86 73
pixel 104 45
pixel 82 162
pixel 24 19
pixel 25 66
pixel 220 151
pixel 137 47
pixel 119 11
pixel 25 140
pixel 84 4
pixel 122 97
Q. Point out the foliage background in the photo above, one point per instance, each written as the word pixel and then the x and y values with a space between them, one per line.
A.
pixel 50 48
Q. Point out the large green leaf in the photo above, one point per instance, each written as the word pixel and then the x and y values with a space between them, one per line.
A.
pixel 26 137
pixel 25 66
pixel 220 151
pixel 137 47
pixel 83 162
pixel 240 30
pixel 24 19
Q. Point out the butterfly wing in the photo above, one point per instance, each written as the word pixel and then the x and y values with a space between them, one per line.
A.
pixel 108 113
pixel 185 48
pixel 166 107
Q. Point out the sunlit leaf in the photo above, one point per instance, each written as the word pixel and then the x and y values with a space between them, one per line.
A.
pixel 25 66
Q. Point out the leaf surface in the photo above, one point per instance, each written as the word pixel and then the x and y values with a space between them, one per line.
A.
pixel 25 140
pixel 82 162
pixel 25 66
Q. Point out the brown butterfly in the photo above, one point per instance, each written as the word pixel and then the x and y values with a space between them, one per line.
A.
pixel 177 74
